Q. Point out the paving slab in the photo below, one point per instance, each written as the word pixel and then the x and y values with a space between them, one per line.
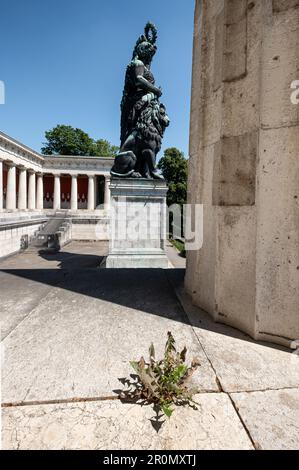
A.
pixel 26 278
pixel 80 338
pixel 117 426
pixel 175 258
pixel 20 296
pixel 271 417
pixel 240 363
pixel 73 255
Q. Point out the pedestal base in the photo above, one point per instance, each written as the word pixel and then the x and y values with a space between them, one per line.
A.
pixel 137 261
pixel 138 224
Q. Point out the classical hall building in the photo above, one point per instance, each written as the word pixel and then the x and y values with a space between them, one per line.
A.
pixel 35 189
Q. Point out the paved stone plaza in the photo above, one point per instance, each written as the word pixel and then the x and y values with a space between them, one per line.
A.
pixel 69 330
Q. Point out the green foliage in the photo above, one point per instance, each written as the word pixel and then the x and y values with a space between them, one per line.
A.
pixel 166 382
pixel 180 246
pixel 103 148
pixel 66 140
pixel 174 167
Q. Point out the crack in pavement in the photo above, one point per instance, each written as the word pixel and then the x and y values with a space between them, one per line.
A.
pixel 250 437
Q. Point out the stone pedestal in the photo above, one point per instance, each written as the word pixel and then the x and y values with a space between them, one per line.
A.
pixel 138 224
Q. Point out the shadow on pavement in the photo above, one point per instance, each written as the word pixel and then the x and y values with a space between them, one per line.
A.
pixel 148 290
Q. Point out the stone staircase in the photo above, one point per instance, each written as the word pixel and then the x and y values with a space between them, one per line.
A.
pixel 53 235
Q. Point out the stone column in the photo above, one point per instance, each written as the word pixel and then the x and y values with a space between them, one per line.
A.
pixel 40 191
pixel 11 187
pixel 57 195
pixel 90 197
pixel 96 183
pixel 1 185
pixel 22 199
pixel 74 193
pixel 107 195
pixel 31 191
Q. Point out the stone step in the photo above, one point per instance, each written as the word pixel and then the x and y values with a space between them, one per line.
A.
pixel 48 235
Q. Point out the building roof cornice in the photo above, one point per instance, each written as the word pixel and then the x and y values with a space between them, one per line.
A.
pixel 49 161
pixel 9 141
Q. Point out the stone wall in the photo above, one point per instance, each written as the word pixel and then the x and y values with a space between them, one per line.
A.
pixel 244 165
pixel 15 225
pixel 90 228
pixel 11 232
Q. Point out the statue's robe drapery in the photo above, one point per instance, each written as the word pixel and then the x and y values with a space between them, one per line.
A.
pixel 131 100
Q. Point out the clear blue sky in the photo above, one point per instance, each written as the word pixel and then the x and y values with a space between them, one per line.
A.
pixel 63 62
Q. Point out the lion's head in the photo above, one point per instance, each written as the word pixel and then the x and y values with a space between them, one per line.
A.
pixel 151 125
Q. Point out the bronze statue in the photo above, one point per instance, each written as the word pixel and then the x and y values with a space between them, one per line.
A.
pixel 143 116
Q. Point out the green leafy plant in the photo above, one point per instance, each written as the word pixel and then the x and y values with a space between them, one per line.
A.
pixel 180 246
pixel 166 382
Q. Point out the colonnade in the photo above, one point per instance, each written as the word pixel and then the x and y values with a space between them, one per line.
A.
pixel 30 194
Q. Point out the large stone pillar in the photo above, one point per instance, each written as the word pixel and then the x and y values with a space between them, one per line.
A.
pixel 107 195
pixel 11 187
pixel 1 185
pixel 244 166
pixel 74 193
pixel 22 198
pixel 91 195
pixel 57 195
pixel 31 191
pixel 40 192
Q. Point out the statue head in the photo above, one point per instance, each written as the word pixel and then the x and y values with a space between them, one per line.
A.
pixel 145 47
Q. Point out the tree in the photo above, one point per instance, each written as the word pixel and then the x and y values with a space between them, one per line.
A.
pixel 103 148
pixel 174 167
pixel 67 140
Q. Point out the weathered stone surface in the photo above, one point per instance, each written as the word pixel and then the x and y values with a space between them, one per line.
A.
pixel 10 234
pixel 78 340
pixel 244 365
pixel 280 69
pixel 235 50
pixel 235 269
pixel 271 417
pixel 235 11
pixel 277 255
pixel 80 337
pixel 218 53
pixel 244 137
pixel 212 126
pixel 235 53
pixel 234 171
pixel 113 425
pixel 241 96
pixel 237 96
pixel 282 5
pixel 240 363
pixel 74 255
pixel 19 297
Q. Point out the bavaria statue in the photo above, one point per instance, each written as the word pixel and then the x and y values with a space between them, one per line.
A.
pixel 143 116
